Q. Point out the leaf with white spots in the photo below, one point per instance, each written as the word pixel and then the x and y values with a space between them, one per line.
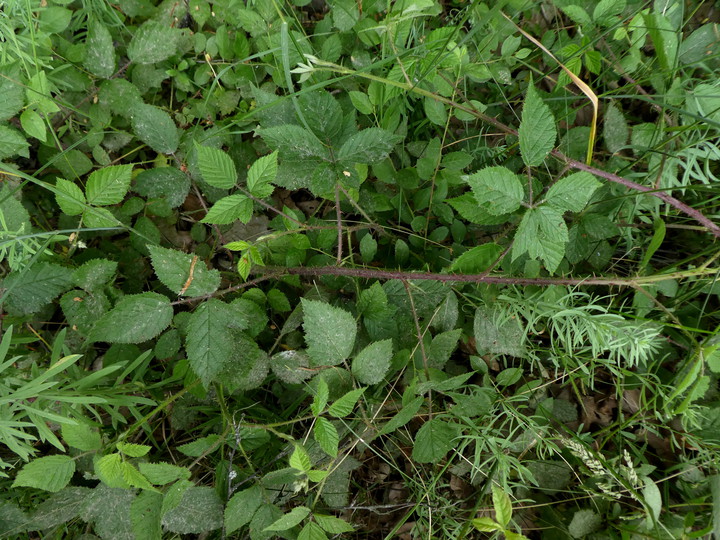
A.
pixel 329 333
pixel 134 319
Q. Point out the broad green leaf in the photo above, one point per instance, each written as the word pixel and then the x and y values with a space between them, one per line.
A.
pixel 584 522
pixel 477 259
pixel 33 124
pixel 100 51
pixel 701 44
pixel 152 42
pixel 94 274
pixel 373 302
pixel 300 459
pixel 241 507
pixel 322 392
pixel 312 531
pixel 81 436
pixel 542 234
pixel 361 102
pixel 442 347
pixel 289 520
pixel 50 473
pixel 332 524
pixel 132 449
pixel 434 440
pixel 368 248
pixel 345 405
pixel 323 115
pixel 665 39
pixel 502 506
pixel 71 199
pixel 329 332
pixel 145 515
pixel 537 132
pixel 154 127
pixel 32 289
pixel 200 446
pixel 404 415
pixel 134 319
pixel 100 217
pixel 326 436
pixel 435 111
pixel 163 473
pixel 109 469
pixel 370 145
pixel 134 478
pixel 200 510
pixel 216 167
pixel 261 174
pixel 166 182
pixel 486 524
pixel 372 363
pixel 108 185
pixel 572 192
pixel 211 339
pixel 344 13
pixel 229 209
pixel 182 273
pixel 652 499
pixel 615 129
pixel 12 143
pixel 11 90
pixel 294 142
pixel 58 508
pixel 497 189
pixel 291 366
pixel 108 509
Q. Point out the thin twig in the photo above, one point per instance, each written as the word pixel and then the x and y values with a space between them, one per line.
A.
pixel 338 217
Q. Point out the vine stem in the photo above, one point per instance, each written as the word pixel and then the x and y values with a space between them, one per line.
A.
pixel 371 273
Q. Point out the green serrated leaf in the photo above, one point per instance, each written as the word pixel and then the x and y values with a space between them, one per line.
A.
pixel 132 449
pixel 537 132
pixel 199 446
pixel 372 363
pixel 572 192
pixel 71 199
pixel 486 524
pixel 108 185
pixel 50 473
pixel 345 405
pixel 33 124
pixel 329 332
pixel 152 42
pixel 134 319
pixel 289 520
pixel 497 189
pixel 11 90
pixel 502 506
pixel 32 289
pixel 229 209
pixel 12 143
pixel 182 273
pixel 405 414
pixel 477 259
pixel 368 248
pixel 322 392
pixel 370 145
pixel 434 440
pixel 261 174
pixel 332 524
pixel 300 459
pixel 435 111
pixel 294 142
pixel 200 510
pixel 312 531
pixel 100 55
pixel 361 102
pixel 326 436
pixel 81 436
pixel 442 347
pixel 154 127
pixel 542 234
pixel 216 167
pixel 145 515
pixel 615 129
pixel 109 469
pixel 211 339
pixel 241 508
pixel 163 473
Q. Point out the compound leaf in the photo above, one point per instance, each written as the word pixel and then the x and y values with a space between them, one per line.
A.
pixel 572 192
pixel 497 189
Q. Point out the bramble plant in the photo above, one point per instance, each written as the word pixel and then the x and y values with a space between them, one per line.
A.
pixel 411 269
